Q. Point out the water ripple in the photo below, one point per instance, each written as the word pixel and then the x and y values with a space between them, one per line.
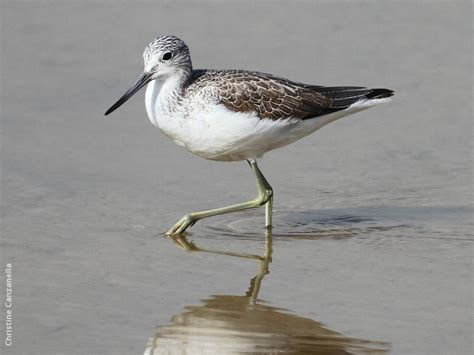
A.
pixel 363 222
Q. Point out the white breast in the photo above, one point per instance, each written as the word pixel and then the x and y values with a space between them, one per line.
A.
pixel 209 130
pixel 212 131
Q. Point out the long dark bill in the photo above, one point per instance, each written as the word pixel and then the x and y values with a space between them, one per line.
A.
pixel 144 79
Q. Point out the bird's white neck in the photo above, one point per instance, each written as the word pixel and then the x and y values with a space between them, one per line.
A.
pixel 163 97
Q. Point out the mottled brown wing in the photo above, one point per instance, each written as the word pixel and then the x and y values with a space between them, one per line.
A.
pixel 270 97
pixel 276 98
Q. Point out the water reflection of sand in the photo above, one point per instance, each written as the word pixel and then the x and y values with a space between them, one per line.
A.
pixel 228 324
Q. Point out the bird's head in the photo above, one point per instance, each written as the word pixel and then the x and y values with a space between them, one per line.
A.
pixel 165 57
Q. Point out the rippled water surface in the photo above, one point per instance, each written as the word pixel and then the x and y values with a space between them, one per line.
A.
pixel 371 249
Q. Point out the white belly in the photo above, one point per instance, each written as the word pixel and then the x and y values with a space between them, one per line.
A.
pixel 214 132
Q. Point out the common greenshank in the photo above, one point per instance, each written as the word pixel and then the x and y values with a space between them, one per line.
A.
pixel 233 115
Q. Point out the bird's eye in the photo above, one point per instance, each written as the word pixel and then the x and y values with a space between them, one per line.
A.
pixel 167 56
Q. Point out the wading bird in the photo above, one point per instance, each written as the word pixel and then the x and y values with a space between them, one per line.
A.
pixel 233 115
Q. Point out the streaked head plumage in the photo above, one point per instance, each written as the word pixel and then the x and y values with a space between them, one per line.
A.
pixel 165 56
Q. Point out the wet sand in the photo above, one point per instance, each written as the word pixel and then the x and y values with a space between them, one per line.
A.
pixel 371 251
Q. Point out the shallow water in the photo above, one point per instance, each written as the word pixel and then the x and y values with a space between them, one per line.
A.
pixel 371 250
pixel 246 324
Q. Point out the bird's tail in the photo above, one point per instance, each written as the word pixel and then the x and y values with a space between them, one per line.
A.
pixel 345 96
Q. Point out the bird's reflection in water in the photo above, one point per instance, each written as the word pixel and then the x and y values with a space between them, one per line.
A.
pixel 228 324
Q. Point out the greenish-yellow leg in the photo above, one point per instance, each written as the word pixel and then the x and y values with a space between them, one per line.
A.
pixel 265 197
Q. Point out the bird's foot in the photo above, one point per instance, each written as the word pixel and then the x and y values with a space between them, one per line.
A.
pixel 181 242
pixel 184 223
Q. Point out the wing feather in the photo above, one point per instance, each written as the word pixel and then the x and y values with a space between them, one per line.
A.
pixel 275 98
